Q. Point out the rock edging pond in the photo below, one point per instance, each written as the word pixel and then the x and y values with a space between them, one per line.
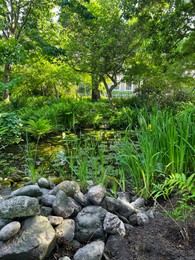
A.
pixel 37 219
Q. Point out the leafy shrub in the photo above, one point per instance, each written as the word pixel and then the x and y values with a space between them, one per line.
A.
pixel 121 118
pixel 184 188
pixel 38 128
pixel 10 128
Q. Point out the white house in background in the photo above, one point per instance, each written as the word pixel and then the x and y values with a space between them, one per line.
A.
pixel 124 86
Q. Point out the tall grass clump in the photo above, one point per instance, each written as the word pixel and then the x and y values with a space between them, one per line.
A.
pixel 164 145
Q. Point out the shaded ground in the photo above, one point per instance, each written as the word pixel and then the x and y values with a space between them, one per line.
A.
pixel 159 240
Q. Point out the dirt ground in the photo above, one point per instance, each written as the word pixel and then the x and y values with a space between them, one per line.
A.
pixel 159 240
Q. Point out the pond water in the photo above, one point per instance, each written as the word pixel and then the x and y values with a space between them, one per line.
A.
pixel 83 156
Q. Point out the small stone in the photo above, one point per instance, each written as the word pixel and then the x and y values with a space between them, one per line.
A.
pixel 96 194
pixel 128 227
pixel 142 218
pixel 9 230
pixel 43 183
pixel 110 204
pixel 89 224
pixel 54 220
pixel 113 225
pixel 46 211
pixel 92 251
pixel 77 207
pixel 48 200
pixel 133 220
pixel 65 231
pixel 68 187
pixel 62 206
pixel 80 198
pixel 139 202
pixel 125 208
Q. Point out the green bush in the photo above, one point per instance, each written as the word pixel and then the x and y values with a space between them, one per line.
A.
pixel 39 127
pixel 10 128
pixel 121 119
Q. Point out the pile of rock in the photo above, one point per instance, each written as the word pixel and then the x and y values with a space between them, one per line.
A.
pixel 35 219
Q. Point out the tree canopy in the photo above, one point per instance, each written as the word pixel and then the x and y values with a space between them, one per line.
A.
pixel 149 42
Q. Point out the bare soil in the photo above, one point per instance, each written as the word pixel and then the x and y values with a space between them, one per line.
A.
pixel 161 239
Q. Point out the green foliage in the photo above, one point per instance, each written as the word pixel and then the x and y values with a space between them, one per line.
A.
pixel 10 128
pixel 66 114
pixel 38 128
pixel 121 118
pixel 184 188
pixel 178 183
pixel 163 143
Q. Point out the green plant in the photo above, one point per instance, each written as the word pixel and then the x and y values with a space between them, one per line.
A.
pixel 30 157
pixel 38 128
pixel 184 188
pixel 10 128
pixel 121 118
pixel 163 143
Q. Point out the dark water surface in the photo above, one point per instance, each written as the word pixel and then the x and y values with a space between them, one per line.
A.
pixel 65 155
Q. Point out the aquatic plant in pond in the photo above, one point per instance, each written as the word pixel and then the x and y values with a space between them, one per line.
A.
pixel 87 159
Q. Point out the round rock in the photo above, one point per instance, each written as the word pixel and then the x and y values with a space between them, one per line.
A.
pixel 9 230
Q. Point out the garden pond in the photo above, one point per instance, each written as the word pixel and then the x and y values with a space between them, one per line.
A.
pixel 88 155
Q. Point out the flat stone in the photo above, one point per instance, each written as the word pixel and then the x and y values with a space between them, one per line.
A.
pixel 29 190
pixel 19 206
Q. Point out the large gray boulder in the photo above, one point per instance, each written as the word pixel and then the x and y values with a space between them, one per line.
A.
pixel 19 206
pixel 35 240
pixel 89 224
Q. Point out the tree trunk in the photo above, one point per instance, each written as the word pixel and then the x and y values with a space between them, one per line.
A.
pixel 6 72
pixel 56 92
pixel 109 92
pixel 95 90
